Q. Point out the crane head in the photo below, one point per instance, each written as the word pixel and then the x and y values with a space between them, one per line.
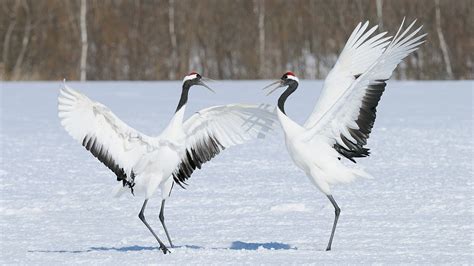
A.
pixel 287 79
pixel 195 78
pixel 288 76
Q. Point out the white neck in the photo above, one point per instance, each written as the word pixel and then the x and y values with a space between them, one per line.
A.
pixel 175 126
pixel 290 127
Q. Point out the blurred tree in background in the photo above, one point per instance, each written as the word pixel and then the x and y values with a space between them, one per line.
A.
pixel 224 39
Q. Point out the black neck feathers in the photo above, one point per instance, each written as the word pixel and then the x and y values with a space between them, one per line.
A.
pixel 281 101
pixel 184 96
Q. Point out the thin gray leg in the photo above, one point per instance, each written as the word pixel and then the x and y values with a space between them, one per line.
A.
pixel 141 215
pixel 337 211
pixel 162 219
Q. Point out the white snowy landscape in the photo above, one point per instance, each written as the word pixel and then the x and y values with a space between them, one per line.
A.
pixel 250 204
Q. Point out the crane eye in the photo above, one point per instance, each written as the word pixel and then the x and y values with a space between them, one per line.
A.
pixel 284 77
pixel 198 76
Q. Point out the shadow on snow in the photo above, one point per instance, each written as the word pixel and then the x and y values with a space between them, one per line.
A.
pixel 239 245
pixel 119 249
pixel 236 245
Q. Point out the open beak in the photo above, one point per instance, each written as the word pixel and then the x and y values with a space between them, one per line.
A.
pixel 204 84
pixel 206 79
pixel 272 87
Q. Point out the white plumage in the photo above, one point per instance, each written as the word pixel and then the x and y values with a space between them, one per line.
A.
pixel 82 117
pixel 340 124
pixel 143 163
pixel 359 53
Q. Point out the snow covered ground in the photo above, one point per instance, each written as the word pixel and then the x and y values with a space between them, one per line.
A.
pixel 250 204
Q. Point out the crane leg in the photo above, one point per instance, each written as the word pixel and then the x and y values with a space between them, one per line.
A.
pixel 141 215
pixel 336 217
pixel 162 220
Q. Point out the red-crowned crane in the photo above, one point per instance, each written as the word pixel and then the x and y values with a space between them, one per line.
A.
pixel 340 124
pixel 143 163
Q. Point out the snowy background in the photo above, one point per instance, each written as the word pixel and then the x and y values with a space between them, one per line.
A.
pixel 250 204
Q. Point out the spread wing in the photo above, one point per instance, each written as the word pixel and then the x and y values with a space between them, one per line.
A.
pixel 109 139
pixel 360 52
pixel 214 129
pixel 350 118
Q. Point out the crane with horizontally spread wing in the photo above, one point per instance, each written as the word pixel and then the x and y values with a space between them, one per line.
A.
pixel 142 163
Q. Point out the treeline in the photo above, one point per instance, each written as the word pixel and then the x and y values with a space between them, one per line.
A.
pixel 224 39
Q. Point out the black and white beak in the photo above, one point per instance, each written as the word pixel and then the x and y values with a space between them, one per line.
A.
pixel 274 86
pixel 285 80
pixel 197 79
pixel 201 83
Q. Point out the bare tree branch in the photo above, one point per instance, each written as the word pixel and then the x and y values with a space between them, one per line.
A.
pixel 442 42
pixel 24 42
pixel 6 42
pixel 174 46
pixel 260 10
pixel 379 5
pixel 84 42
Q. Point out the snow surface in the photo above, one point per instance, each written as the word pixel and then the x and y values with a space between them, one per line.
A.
pixel 250 204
